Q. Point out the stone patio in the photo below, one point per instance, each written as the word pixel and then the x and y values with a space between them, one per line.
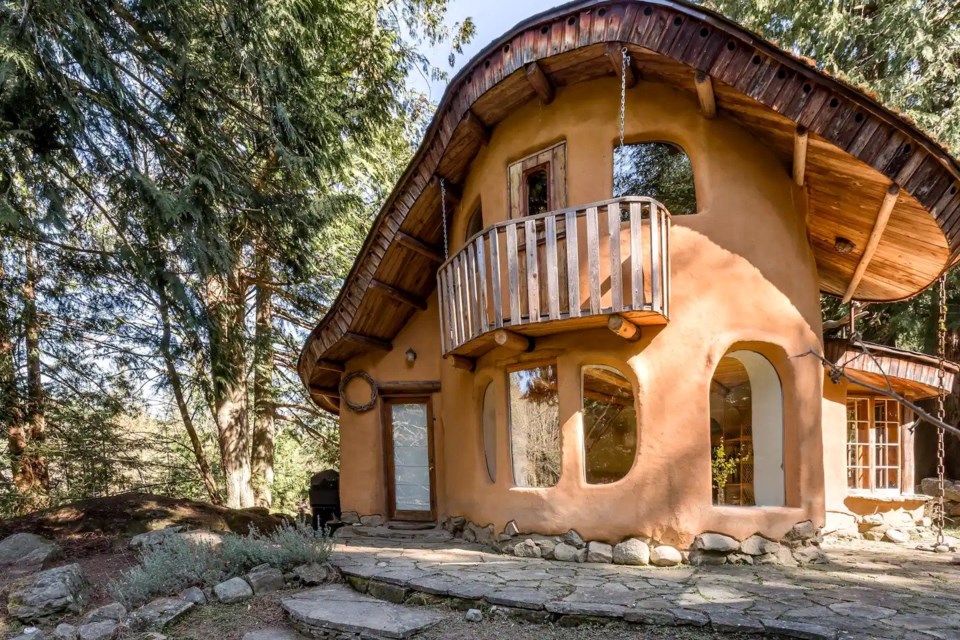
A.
pixel 867 590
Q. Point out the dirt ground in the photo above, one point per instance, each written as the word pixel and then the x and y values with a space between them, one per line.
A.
pixel 230 622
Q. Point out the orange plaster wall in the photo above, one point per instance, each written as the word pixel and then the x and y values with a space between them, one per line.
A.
pixel 743 276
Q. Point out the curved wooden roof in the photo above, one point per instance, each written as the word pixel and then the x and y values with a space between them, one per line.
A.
pixel 858 152
pixel 915 375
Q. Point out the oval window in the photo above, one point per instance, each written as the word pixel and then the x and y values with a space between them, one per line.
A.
pixel 609 425
pixel 489 412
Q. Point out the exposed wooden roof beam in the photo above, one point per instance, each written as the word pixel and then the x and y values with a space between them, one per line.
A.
pixel 322 392
pixel 409 387
pixel 883 216
pixel 476 128
pixel 800 155
pixel 401 296
pixel 370 341
pixel 623 328
pixel 419 246
pixel 330 365
pixel 615 55
pixel 540 82
pixel 463 362
pixel 512 341
pixel 453 192
pixel 708 102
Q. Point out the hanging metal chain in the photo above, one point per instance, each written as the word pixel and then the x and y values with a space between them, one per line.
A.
pixel 443 214
pixel 938 513
pixel 625 60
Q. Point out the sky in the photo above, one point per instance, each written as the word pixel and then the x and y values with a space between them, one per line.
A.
pixel 492 19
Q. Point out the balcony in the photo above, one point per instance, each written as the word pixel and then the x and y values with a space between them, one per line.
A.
pixel 601 264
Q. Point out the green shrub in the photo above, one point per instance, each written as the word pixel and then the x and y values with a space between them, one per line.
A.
pixel 175 563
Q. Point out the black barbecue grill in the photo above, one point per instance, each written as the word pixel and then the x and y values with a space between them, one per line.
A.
pixel 325 497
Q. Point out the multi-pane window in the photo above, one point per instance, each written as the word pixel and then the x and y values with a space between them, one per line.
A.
pixel 873 444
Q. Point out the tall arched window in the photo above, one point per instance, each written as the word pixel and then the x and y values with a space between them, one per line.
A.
pixel 609 425
pixel 659 170
pixel 746 431
pixel 474 223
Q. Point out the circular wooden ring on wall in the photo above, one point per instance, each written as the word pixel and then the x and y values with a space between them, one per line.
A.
pixel 353 406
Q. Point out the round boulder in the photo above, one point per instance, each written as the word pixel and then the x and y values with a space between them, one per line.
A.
pixel 632 551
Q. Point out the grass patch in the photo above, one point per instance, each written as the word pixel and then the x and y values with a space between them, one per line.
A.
pixel 176 563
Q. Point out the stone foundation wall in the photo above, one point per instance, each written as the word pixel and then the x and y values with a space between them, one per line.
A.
pixel 801 545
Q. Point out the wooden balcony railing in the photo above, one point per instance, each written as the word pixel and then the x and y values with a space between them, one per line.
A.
pixel 557 271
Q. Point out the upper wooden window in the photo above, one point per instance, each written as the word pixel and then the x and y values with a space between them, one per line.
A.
pixel 659 170
pixel 538 183
pixel 873 444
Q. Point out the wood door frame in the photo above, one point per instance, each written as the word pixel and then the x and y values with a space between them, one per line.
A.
pixel 386 414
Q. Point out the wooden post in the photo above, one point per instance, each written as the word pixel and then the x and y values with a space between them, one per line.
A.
pixel 623 328
pixel 540 82
pixel 419 246
pixel 800 155
pixel 401 296
pixel 708 102
pixel 330 365
pixel 512 341
pixel 476 128
pixel 462 362
pixel 883 216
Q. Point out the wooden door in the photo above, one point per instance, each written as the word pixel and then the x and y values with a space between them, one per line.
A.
pixel 408 434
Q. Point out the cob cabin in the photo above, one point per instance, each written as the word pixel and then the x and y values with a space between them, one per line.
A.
pixel 602 271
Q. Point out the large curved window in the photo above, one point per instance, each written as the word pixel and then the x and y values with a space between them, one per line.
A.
pixel 474 223
pixel 609 425
pixel 534 426
pixel 658 170
pixel 489 418
pixel 746 431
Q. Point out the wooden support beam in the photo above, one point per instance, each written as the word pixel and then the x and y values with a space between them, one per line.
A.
pixel 615 55
pixel 708 102
pixel 883 216
pixel 800 155
pixel 370 341
pixel 409 387
pixel 540 82
pixel 623 328
pixel 419 246
pixel 329 365
pixel 322 392
pixel 476 128
pixel 512 341
pixel 401 296
pixel 463 362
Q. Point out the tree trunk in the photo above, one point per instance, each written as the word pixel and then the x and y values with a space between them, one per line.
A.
pixel 173 376
pixel 264 429
pixel 11 413
pixel 225 302
pixel 32 462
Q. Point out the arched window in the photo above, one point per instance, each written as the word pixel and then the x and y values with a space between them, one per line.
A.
pixel 609 424
pixel 489 419
pixel 474 224
pixel 659 170
pixel 746 431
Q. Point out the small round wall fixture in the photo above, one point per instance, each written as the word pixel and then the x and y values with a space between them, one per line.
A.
pixel 843 246
pixel 358 407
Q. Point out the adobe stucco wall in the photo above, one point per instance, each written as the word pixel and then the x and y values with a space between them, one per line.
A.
pixel 743 276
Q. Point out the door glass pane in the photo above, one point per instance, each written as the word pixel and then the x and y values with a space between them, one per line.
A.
pixel 535 426
pixel 411 457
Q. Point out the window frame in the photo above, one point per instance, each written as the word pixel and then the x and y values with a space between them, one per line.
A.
pixel 583 435
pixel 546 168
pixel 554 157
pixel 477 213
pixel 872 446
pixel 521 366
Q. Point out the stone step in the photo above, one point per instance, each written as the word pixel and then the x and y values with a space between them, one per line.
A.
pixel 341 610
pixel 433 534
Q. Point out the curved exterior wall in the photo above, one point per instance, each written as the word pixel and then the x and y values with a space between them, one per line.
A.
pixel 743 277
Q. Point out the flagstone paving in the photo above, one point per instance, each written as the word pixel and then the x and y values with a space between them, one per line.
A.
pixel 867 590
